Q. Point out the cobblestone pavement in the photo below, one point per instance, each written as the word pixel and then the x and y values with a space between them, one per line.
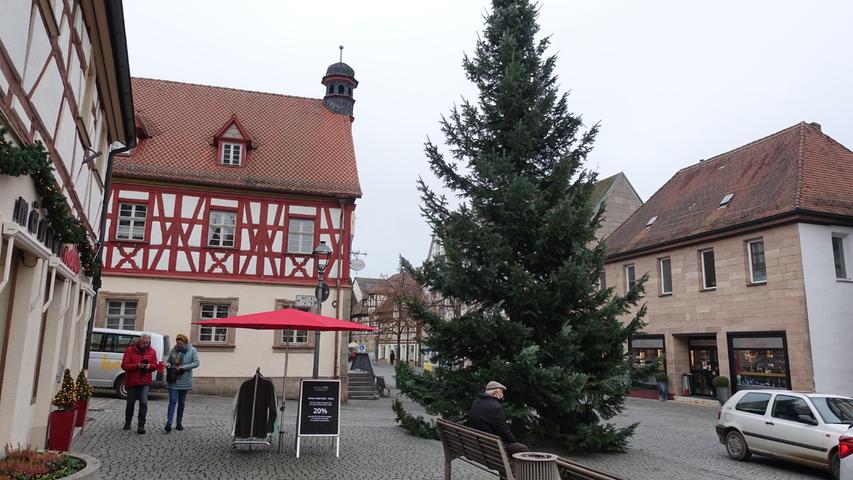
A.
pixel 673 441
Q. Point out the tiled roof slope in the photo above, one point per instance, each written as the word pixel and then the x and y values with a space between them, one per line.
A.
pixel 297 144
pixel 798 169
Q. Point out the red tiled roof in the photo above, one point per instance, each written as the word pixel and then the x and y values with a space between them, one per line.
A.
pixel 798 169
pixel 297 144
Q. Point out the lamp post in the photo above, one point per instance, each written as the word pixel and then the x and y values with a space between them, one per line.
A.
pixel 322 252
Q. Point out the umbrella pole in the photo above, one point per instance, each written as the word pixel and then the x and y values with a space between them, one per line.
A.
pixel 283 390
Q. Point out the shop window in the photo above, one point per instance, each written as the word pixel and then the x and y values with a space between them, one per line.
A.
pixel 221 232
pixel 131 221
pixel 757 265
pixel 648 350
pixel 839 255
pixel 630 277
pixel 709 271
pixel 300 236
pixel 665 276
pixel 759 362
pixel 754 403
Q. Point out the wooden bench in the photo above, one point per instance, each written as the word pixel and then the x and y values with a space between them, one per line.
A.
pixel 486 451
pixel 480 449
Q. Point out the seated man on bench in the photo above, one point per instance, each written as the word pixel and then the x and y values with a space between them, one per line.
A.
pixel 488 415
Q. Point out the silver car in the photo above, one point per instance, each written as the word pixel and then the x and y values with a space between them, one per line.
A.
pixel 799 427
pixel 105 354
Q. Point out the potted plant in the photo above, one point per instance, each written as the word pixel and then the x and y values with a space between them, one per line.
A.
pixel 721 384
pixel 60 424
pixel 26 463
pixel 663 385
pixel 84 393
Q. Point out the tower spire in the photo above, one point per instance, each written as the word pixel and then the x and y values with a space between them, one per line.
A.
pixel 342 53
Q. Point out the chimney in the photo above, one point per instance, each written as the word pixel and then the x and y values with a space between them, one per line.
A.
pixel 815 125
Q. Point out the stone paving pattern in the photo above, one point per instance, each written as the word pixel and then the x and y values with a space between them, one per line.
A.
pixel 673 441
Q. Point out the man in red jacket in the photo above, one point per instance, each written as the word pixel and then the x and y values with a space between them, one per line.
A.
pixel 139 361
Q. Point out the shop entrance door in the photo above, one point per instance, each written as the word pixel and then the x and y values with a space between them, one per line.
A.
pixel 704 365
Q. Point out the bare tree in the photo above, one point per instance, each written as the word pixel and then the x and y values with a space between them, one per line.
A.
pixel 391 315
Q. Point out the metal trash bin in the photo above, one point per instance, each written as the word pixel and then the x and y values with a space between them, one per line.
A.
pixel 536 466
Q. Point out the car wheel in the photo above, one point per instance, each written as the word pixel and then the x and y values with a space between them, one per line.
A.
pixel 120 388
pixel 736 446
pixel 835 465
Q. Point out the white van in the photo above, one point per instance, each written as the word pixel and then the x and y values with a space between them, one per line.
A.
pixel 105 353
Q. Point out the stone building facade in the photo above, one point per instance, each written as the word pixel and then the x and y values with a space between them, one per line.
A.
pixel 743 253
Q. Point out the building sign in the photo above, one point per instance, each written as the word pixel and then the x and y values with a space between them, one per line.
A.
pixel 319 411
pixel 757 342
pixel 647 343
pixel 70 257
pixel 304 301
pixel 27 215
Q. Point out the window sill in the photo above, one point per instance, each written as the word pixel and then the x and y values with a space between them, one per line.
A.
pixel 132 242
pixel 294 348
pixel 844 280
pixel 213 347
pixel 711 289
pixel 665 294
pixel 756 284
pixel 217 247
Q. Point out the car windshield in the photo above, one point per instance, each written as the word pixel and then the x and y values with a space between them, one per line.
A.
pixel 834 410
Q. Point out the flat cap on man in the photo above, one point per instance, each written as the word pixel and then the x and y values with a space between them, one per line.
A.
pixel 493 385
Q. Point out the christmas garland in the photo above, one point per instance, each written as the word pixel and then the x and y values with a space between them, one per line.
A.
pixel 34 161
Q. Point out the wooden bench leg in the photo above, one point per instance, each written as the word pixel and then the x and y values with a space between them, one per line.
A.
pixel 447 470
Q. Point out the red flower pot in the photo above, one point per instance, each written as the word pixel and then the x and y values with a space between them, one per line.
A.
pixel 60 428
pixel 82 409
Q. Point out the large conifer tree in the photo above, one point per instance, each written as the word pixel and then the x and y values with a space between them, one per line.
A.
pixel 520 252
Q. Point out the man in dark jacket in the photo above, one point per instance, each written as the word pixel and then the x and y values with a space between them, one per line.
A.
pixel 139 362
pixel 488 415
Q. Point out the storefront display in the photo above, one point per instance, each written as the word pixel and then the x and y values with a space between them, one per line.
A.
pixel 759 361
pixel 645 351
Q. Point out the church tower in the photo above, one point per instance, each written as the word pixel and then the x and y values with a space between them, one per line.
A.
pixel 339 82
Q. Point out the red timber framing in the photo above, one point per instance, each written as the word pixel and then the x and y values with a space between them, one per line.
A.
pixel 177 227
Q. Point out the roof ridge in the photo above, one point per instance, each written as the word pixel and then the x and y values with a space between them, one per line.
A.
pixel 226 88
pixel 750 144
pixel 799 190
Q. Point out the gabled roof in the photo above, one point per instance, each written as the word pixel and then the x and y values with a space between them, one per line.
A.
pixel 796 170
pixel 366 284
pixel 298 145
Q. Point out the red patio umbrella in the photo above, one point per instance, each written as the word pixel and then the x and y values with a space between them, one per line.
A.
pixel 286 319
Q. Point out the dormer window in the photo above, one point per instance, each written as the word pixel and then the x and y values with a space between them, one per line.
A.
pixel 232 144
pixel 232 153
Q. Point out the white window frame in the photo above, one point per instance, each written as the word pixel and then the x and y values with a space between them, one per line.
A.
pixel 297 337
pixel 218 223
pixel 628 280
pixel 663 290
pixel 301 235
pixel 134 222
pixel 232 154
pixel 752 279
pixel 125 320
pixel 214 310
pixel 843 242
pixel 702 262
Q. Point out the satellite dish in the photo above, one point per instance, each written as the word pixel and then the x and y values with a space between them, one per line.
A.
pixel 356 265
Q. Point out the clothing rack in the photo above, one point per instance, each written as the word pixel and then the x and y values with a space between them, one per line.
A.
pixel 252 440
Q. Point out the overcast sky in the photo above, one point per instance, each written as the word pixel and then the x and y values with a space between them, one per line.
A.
pixel 671 82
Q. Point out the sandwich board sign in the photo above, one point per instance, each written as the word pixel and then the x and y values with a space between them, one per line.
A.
pixel 319 411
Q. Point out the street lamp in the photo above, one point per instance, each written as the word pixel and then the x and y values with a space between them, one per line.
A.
pixel 321 253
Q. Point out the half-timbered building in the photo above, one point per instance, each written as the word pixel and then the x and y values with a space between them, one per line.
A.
pixel 64 83
pixel 217 211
